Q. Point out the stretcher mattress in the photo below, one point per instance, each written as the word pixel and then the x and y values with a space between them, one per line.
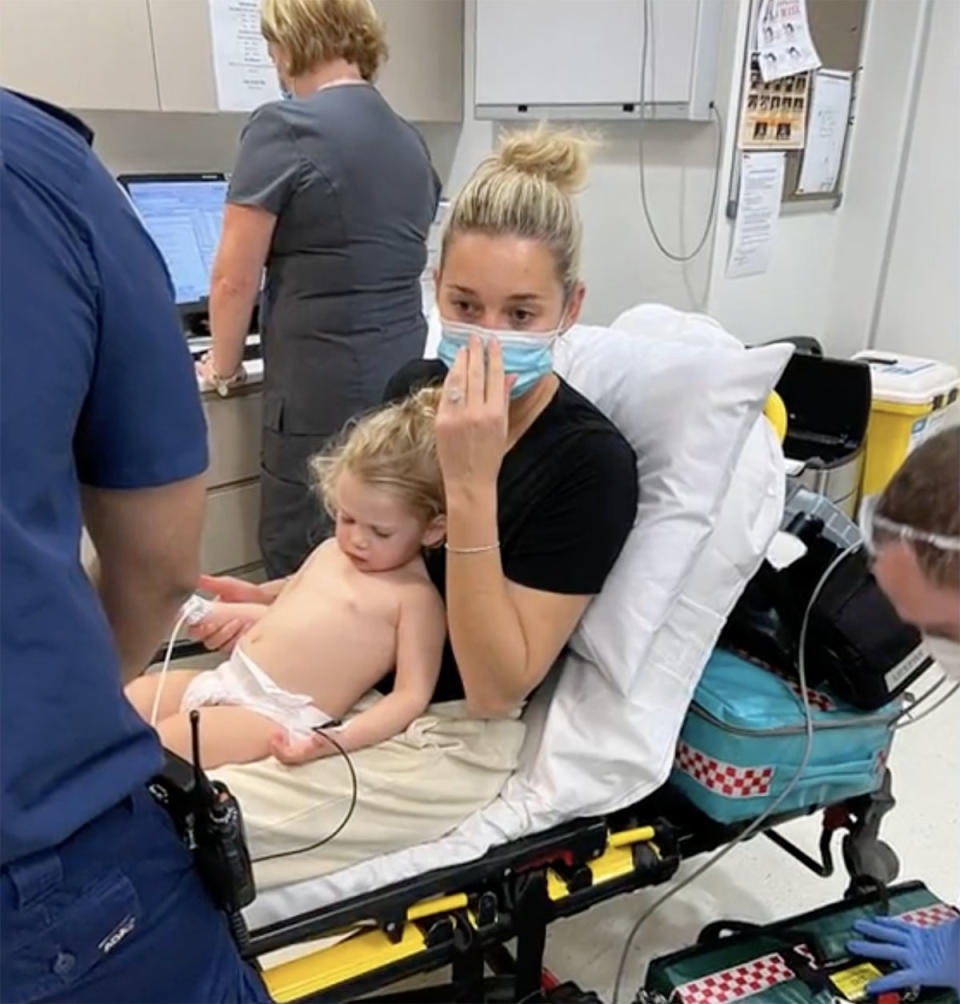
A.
pixel 601 734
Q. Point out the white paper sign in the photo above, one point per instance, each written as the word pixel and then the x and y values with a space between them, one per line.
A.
pixel 246 76
pixel 827 130
pixel 758 208
pixel 783 39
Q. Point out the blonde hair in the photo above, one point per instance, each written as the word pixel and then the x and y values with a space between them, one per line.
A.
pixel 394 448
pixel 312 32
pixel 524 189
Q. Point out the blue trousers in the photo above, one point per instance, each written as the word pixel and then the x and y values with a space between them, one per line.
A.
pixel 117 913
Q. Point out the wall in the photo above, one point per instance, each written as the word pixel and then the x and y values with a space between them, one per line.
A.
pixel 621 265
pixel 918 308
pixel 881 270
pixel 827 270
pixel 892 59
pixel 793 296
pixel 171 141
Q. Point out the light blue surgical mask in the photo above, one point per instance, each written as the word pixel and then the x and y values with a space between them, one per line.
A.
pixel 528 357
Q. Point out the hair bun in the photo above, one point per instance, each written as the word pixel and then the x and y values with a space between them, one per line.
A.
pixel 559 156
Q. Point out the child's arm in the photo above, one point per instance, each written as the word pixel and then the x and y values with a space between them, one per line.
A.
pixel 420 636
pixel 421 632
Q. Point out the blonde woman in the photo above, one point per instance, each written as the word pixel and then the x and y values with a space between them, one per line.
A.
pixel 541 492
pixel 334 194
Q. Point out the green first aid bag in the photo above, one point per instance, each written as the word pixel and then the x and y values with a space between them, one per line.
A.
pixel 796 961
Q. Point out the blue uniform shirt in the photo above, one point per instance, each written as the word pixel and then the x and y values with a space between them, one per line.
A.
pixel 96 388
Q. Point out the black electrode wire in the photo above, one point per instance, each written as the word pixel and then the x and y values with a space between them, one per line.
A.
pixel 343 822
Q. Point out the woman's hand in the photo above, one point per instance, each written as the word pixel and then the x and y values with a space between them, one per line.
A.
pixel 230 589
pixel 205 372
pixel 472 418
pixel 221 629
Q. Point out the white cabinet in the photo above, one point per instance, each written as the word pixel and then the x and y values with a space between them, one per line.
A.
pixel 184 55
pixel 233 497
pixel 233 431
pixel 229 539
pixel 157 55
pixel 230 528
pixel 583 58
pixel 79 53
pixel 422 79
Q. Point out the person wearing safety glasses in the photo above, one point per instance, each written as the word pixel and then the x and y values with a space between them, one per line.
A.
pixel 912 533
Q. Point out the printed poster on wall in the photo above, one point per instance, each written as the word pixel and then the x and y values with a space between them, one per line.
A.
pixel 246 77
pixel 774 113
pixel 758 211
pixel 783 39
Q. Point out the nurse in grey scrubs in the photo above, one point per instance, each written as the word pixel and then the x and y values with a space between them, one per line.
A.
pixel 334 194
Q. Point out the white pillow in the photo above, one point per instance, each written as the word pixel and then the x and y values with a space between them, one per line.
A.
pixel 686 410
pixel 659 321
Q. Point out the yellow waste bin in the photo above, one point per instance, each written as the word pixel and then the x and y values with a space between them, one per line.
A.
pixel 912 399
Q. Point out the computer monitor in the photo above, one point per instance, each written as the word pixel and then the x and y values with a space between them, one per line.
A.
pixel 183 214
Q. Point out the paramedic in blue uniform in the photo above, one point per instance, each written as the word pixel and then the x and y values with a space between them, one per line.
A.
pixel 913 534
pixel 100 423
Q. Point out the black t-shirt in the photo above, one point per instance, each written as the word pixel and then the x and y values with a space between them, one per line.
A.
pixel 566 500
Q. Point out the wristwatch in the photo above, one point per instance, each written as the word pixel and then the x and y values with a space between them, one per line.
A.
pixel 222 385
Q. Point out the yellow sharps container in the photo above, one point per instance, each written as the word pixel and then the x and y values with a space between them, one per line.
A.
pixel 912 399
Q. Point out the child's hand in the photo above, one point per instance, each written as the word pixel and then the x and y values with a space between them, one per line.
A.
pixel 224 624
pixel 294 752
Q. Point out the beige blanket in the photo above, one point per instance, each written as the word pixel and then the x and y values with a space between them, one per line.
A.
pixel 416 787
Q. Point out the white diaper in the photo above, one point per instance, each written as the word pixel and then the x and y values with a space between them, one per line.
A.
pixel 239 682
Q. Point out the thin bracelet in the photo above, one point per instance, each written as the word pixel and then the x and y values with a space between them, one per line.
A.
pixel 473 550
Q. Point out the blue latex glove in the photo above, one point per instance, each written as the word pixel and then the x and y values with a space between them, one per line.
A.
pixel 927 957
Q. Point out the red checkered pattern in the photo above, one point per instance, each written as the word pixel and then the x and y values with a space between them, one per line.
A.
pixel 930 916
pixel 819 701
pixel 737 983
pixel 723 778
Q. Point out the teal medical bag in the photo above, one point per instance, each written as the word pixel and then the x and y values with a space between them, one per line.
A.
pixel 745 735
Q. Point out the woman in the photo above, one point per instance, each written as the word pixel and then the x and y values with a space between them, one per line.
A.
pixel 541 492
pixel 335 194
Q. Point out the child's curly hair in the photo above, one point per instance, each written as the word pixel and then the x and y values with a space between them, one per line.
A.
pixel 394 448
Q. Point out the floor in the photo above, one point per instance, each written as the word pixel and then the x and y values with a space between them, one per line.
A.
pixel 758 882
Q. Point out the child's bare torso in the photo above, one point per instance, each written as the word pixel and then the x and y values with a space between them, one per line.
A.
pixel 332 631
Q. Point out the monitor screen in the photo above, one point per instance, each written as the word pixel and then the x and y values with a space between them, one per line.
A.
pixel 183 215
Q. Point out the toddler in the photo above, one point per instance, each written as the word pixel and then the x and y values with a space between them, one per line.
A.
pixel 309 647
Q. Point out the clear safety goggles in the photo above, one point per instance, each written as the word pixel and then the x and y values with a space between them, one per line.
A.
pixel 871 522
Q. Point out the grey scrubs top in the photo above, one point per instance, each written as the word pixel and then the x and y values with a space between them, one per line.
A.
pixel 354 193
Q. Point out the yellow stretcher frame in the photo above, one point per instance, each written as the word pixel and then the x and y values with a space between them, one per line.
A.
pixel 370 950
pixel 463 917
